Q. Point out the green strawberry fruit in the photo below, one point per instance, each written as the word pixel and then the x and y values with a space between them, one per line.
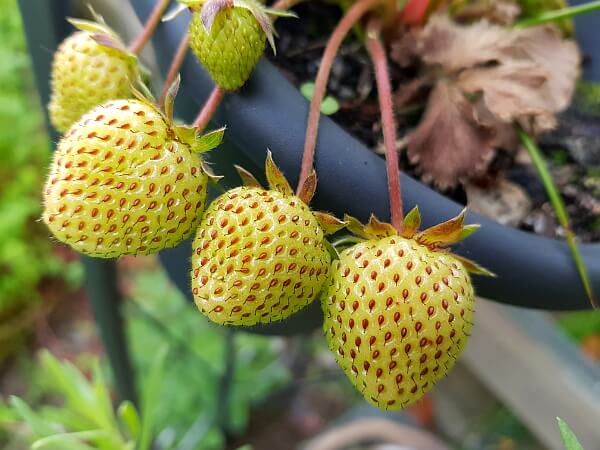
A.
pixel 259 255
pixel 399 309
pixel 125 181
pixel 89 68
pixel 228 37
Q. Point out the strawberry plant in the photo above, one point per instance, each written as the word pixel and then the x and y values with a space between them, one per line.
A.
pixel 126 178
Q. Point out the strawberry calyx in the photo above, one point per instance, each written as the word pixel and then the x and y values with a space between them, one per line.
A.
pixel 278 182
pixel 197 141
pixel 105 36
pixel 210 8
pixel 435 238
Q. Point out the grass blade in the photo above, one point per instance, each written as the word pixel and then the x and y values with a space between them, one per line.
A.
pixel 559 208
pixel 559 14
pixel 568 437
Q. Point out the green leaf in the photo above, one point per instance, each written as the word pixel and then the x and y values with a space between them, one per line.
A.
pixel 69 441
pixel 568 437
pixel 332 250
pixel 78 392
pixel 39 425
pixel 275 177
pixel 151 397
pixel 130 419
pixel 329 106
pixel 308 90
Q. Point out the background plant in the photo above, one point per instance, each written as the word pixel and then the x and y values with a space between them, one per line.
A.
pixel 26 253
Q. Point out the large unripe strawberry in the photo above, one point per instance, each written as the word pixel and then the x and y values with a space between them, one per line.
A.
pixel 259 255
pixel 228 38
pixel 398 309
pixel 89 68
pixel 125 181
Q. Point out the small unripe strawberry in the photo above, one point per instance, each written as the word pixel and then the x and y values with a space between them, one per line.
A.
pixel 228 37
pixel 398 309
pixel 259 255
pixel 125 181
pixel 89 68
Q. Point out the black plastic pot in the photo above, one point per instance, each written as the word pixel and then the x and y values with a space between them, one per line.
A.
pixel 533 271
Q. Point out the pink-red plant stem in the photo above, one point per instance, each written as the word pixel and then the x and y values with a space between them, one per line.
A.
pixel 209 108
pixel 149 27
pixel 354 14
pixel 178 59
pixel 283 5
pixel 384 92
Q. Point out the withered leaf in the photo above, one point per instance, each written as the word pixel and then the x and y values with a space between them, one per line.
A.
pixel 511 91
pixel 448 145
pixel 560 58
pixel 456 47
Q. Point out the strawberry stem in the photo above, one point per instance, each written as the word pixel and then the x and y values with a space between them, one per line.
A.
pixel 384 92
pixel 284 5
pixel 209 108
pixel 176 63
pixel 149 27
pixel 354 14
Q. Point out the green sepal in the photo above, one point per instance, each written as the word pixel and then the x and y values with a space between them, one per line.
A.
pixel 141 92
pixel 199 143
pixel 209 141
pixel 170 15
pixel 355 226
pixel 275 177
pixel 170 97
pixel 374 229
pixel 412 222
pixel 472 267
pixel 379 229
pixel 328 222
pixel 103 35
pixel 209 173
pixel 261 13
pixel 247 178
pixel 309 188
pixel 331 249
pixel 210 9
pixel 445 233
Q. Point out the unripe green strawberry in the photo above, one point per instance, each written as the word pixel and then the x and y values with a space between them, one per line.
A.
pixel 126 181
pixel 259 255
pixel 228 37
pixel 398 310
pixel 89 68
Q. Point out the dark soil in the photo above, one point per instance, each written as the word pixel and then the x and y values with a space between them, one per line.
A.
pixel 299 48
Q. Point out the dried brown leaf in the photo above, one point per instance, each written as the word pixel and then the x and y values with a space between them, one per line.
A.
pixel 448 145
pixel 456 47
pixel 503 12
pixel 512 91
pixel 560 58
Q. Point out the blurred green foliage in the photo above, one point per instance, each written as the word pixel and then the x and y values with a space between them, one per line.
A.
pixel 580 324
pixel 25 248
pixel 157 313
pixel 66 408
pixel 82 416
